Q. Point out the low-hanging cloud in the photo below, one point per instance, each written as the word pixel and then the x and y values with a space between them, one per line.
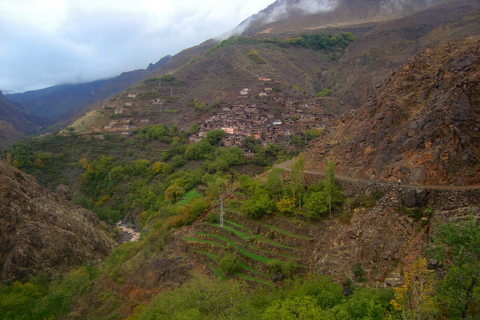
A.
pixel 44 43
pixel 283 8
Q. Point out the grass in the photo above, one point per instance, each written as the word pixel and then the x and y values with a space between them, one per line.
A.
pixel 212 256
pixel 203 241
pixel 245 267
pixel 260 238
pixel 241 250
pixel 247 277
pixel 238 233
pixel 285 232
pixel 189 196
pixel 217 272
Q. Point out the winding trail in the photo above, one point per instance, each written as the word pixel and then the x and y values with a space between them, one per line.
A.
pixel 286 165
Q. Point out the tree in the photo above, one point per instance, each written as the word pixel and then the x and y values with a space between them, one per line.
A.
pixel 215 136
pixel 316 204
pixel 177 161
pixel 259 204
pixel 175 191
pixel 298 308
pixel 330 184
pixel 415 298
pixel 457 245
pixel 297 173
pixel 194 128
pixel 275 182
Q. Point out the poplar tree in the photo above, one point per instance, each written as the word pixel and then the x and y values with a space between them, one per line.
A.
pixel 330 184
pixel 297 174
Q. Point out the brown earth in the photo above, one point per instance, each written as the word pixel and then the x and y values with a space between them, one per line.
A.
pixel 42 232
pixel 421 126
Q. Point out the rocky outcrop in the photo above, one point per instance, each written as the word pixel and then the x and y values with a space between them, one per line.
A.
pixel 39 231
pixel 422 126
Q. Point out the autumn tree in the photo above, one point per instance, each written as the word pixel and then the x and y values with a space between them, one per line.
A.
pixel 415 298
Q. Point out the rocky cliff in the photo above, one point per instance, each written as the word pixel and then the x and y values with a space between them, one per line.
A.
pixel 422 126
pixel 39 231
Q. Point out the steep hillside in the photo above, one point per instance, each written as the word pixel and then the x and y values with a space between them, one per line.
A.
pixel 14 114
pixel 40 231
pixel 217 72
pixel 8 135
pixel 421 126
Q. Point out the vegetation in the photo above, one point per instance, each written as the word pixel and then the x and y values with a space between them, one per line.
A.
pixel 315 41
pixel 324 93
pixel 253 55
pixel 166 182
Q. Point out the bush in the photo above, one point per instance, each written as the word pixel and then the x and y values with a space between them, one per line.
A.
pixel 253 55
pixel 259 204
pixel 213 218
pixel 324 93
pixel 228 264
pixel 275 266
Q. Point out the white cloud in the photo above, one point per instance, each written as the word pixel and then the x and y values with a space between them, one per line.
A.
pixel 48 42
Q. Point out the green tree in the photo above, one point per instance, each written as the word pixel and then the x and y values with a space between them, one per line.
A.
pixel 194 128
pixel 259 204
pixel 177 161
pixel 297 308
pixel 457 245
pixel 215 136
pixel 330 185
pixel 297 174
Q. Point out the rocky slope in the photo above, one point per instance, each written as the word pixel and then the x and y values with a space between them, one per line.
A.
pixel 288 15
pixel 422 125
pixel 42 232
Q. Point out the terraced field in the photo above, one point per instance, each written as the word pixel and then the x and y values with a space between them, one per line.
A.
pixel 266 249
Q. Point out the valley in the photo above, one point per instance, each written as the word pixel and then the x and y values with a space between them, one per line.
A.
pixel 320 166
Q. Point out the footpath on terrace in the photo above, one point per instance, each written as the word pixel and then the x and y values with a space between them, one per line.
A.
pixel 286 165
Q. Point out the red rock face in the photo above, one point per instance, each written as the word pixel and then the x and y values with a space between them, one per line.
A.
pixel 422 126
pixel 41 232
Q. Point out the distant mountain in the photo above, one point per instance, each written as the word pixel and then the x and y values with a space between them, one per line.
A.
pixel 53 101
pixel 160 63
pixel 17 117
pixel 69 99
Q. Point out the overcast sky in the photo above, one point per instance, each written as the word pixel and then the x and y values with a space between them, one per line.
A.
pixel 49 42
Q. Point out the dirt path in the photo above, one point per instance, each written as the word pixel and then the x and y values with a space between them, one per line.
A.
pixel 286 165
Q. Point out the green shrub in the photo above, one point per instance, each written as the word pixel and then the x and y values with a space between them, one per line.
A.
pixel 253 55
pixel 297 88
pixel 228 264
pixel 275 266
pixel 213 217
pixel 324 93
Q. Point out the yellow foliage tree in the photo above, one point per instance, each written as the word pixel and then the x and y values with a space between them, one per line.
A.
pixel 415 298
pixel 174 191
pixel 38 163
pixel 286 205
